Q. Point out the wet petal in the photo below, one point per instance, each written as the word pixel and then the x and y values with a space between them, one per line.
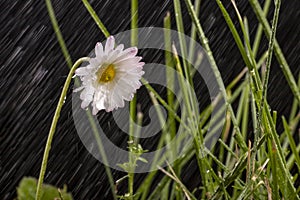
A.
pixel 110 44
pixel 99 49
pixel 127 53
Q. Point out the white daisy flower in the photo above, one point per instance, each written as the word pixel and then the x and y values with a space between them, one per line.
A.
pixel 111 77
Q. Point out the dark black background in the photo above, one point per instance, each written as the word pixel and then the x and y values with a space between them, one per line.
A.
pixel 33 70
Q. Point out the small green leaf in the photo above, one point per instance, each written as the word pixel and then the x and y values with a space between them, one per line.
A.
pixel 142 160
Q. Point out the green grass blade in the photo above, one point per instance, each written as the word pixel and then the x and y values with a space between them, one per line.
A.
pixel 216 71
pixel 96 18
pixel 280 57
pixel 58 34
pixel 193 35
pixel 270 52
pixel 235 34
pixel 182 42
pixel 259 31
pixel 291 142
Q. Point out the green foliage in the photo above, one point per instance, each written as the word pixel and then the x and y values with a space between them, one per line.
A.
pixel 27 189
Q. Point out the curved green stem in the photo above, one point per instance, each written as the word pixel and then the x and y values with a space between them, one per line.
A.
pixel 70 64
pixel 54 123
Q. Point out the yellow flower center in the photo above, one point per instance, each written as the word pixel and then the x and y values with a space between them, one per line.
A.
pixel 106 75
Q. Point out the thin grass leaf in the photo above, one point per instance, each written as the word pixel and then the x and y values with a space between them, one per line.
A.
pixel 193 35
pixel 270 53
pixel 232 175
pixel 295 105
pixel 170 75
pixel 198 136
pixel 96 18
pixel 250 62
pixel 182 42
pixel 58 34
pixel 259 31
pixel 291 142
pixel 173 176
pixel 282 174
pixel 280 57
pixel 205 44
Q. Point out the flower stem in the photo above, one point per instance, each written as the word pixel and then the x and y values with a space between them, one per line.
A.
pixel 53 125
pixel 70 64
pixel 134 42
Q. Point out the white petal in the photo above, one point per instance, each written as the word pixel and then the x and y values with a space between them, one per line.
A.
pixel 133 80
pixel 101 97
pixel 85 104
pixel 110 44
pixel 81 71
pixel 100 104
pixel 87 94
pixel 94 62
pixel 126 95
pixel 138 71
pixel 126 85
pixel 120 47
pixel 112 56
pixel 99 49
pixel 131 69
pixel 87 97
pixel 95 110
pixel 127 53
pixel 140 64
pixel 137 67
pixel 128 63
pixel 118 99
